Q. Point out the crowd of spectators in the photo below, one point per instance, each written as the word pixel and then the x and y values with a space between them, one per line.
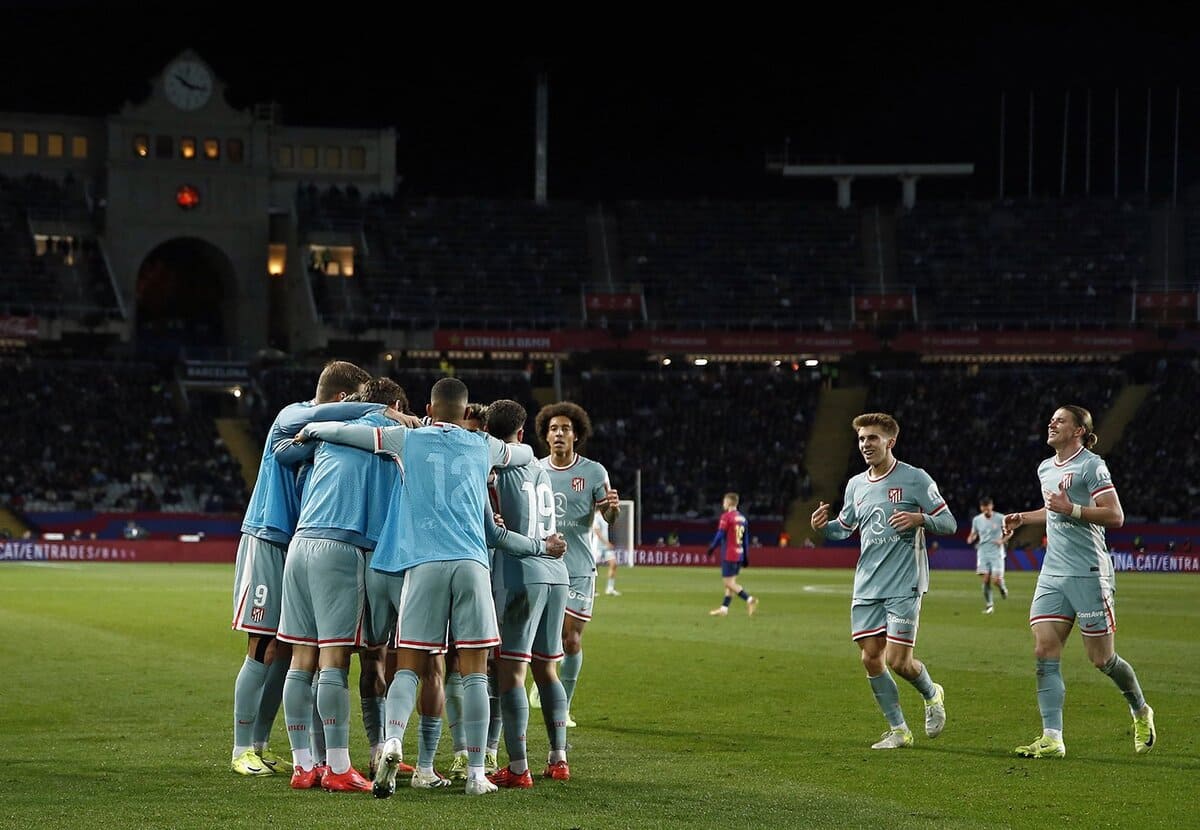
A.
pixel 698 433
pixel 981 429
pixel 106 435
pixel 1156 465
pixel 693 433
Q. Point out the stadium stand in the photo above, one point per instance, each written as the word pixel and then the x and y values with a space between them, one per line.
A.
pixel 981 430
pixel 1016 263
pixel 698 433
pixel 71 448
pixel 762 265
pixel 51 262
pixel 1159 456
pixel 473 263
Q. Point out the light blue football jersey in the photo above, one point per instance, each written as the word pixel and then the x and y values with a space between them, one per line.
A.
pixel 1075 547
pixel 442 511
pixel 526 501
pixel 348 491
pixel 891 563
pixel 990 533
pixel 577 488
pixel 274 506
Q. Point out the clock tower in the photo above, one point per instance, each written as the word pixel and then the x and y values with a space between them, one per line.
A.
pixel 192 209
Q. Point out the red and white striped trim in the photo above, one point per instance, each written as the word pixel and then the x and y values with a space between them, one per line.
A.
pixel 895 461
pixel 870 632
pixel 1058 463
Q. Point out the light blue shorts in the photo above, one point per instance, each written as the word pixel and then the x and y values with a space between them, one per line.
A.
pixel 257 586
pixel 580 596
pixel 1087 600
pixel 447 599
pixel 989 563
pixel 324 594
pixel 383 598
pixel 531 619
pixel 896 617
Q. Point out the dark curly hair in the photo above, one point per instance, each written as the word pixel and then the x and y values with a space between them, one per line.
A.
pixel 580 422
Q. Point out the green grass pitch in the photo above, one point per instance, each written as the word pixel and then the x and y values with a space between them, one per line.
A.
pixel 117 684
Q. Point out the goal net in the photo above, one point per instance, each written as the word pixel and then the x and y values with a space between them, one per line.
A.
pixel 621 533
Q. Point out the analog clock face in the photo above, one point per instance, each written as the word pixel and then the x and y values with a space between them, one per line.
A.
pixel 187 84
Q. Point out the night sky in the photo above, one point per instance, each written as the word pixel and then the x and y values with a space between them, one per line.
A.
pixel 651 111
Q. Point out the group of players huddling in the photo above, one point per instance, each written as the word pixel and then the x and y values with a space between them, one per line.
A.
pixel 421 545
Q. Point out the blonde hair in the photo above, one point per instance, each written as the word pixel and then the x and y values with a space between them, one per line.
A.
pixel 886 423
pixel 1083 418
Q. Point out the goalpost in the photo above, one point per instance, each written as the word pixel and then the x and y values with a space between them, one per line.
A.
pixel 621 533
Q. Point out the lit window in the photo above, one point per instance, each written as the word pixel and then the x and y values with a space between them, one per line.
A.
pixel 187 147
pixel 333 158
pixel 308 158
pixel 6 143
pixel 276 259
pixel 357 158
pixel 141 146
pixel 79 146
pixel 54 145
pixel 287 156
pixel 212 149
pixel 233 150
pixel 30 144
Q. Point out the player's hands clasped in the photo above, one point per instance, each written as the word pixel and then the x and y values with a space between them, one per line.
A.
pixel 556 545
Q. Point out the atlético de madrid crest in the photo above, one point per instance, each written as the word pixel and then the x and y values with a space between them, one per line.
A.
pixel 578 483
pixel 895 494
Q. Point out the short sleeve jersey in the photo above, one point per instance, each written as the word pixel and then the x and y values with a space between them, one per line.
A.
pixel 990 533
pixel 1075 547
pixel 274 506
pixel 891 563
pixel 734 525
pixel 348 492
pixel 526 502
pixel 439 515
pixel 577 488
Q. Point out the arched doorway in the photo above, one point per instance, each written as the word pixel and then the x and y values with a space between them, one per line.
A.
pixel 181 294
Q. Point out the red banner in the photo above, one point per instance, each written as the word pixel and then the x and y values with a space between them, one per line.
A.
pixel 118 551
pixel 1027 342
pixel 800 343
pixel 522 341
pixel 675 341
pixel 23 328
pixel 753 342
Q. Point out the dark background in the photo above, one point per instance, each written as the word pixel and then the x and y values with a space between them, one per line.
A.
pixel 658 109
